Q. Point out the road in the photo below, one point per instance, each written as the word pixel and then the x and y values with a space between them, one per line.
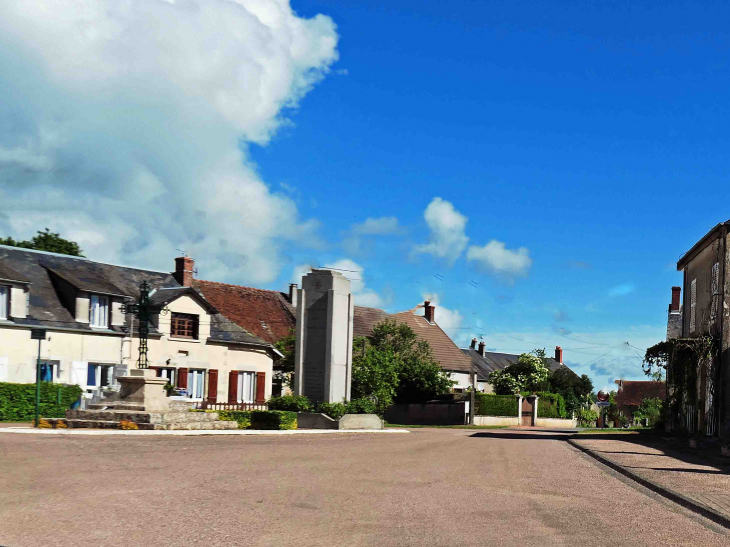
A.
pixel 430 487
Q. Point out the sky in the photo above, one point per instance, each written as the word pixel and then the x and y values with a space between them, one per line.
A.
pixel 534 168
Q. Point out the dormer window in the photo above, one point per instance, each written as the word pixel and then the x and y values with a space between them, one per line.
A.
pixel 4 301
pixel 99 311
pixel 184 325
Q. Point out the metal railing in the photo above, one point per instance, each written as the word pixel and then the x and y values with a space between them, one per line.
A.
pixel 204 405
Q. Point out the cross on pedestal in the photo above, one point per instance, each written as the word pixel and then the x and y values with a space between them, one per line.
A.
pixel 143 310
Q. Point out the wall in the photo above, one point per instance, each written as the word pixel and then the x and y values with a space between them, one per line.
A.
pixel 700 268
pixel 452 413
pixel 497 420
pixel 556 423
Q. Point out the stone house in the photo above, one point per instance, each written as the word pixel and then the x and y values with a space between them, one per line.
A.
pixel 703 310
pixel 631 394
pixel 90 342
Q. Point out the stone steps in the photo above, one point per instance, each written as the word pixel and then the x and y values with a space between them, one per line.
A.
pixel 142 417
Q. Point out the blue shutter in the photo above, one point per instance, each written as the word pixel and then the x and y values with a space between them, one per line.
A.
pixel 91 377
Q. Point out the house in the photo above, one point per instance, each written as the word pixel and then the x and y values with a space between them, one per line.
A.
pixel 486 362
pixel 630 394
pixel 704 406
pixel 91 342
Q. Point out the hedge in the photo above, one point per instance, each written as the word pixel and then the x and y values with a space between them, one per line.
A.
pixel 273 419
pixel 292 403
pixel 496 405
pixel 551 405
pixel 242 417
pixel 17 401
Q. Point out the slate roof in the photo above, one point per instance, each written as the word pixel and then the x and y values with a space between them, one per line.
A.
pixel 492 361
pixel 445 351
pixel 43 270
pixel 632 393
pixel 267 314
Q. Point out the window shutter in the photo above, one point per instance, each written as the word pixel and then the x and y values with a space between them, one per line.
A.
pixel 182 378
pixel 212 386
pixel 693 306
pixel 260 387
pixel 232 386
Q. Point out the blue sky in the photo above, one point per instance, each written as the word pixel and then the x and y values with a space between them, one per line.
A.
pixel 536 168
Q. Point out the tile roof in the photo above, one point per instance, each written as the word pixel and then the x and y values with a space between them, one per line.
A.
pixel 266 314
pixel 445 351
pixel 632 393
pixel 492 361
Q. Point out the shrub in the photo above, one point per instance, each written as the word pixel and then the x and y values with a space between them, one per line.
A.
pixel 361 406
pixel 44 424
pixel 273 419
pixel 17 401
pixel 333 410
pixel 292 403
pixel 586 417
pixel 488 404
pixel 241 417
pixel 61 424
pixel 551 405
pixel 126 424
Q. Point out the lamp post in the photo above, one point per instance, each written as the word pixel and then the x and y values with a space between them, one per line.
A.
pixel 38 334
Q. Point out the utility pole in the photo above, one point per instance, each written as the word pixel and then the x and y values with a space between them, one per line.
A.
pixel 38 334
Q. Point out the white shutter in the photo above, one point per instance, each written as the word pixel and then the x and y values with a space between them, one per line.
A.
pixel 3 369
pixel 4 302
pixel 79 373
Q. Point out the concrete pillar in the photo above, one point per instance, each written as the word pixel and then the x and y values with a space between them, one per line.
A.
pixel 519 409
pixel 323 347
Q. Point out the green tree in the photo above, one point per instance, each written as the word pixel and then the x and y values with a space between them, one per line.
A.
pixel 46 241
pixel 284 366
pixel 529 373
pixel 653 409
pixel 394 365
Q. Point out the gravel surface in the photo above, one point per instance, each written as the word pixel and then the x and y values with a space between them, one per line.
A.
pixel 431 487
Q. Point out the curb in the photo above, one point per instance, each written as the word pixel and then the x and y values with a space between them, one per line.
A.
pixel 191 432
pixel 676 497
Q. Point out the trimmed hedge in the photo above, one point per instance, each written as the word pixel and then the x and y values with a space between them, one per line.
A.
pixel 496 405
pixel 242 417
pixel 273 419
pixel 292 403
pixel 17 401
pixel 356 406
pixel 551 405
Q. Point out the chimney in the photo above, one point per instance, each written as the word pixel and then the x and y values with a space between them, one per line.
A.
pixel 293 294
pixel 481 348
pixel 674 306
pixel 430 311
pixel 559 354
pixel 184 271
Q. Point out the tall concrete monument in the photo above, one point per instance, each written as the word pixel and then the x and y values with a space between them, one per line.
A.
pixel 323 349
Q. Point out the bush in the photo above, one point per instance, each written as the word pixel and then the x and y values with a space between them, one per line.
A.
pixel 551 405
pixel 17 401
pixel 488 404
pixel 333 410
pixel 292 403
pixel 361 406
pixel 586 417
pixel 126 424
pixel 44 424
pixel 273 419
pixel 242 417
pixel 61 424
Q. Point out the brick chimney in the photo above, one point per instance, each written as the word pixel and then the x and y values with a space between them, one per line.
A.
pixel 674 306
pixel 293 294
pixel 430 311
pixel 481 348
pixel 473 343
pixel 559 354
pixel 183 273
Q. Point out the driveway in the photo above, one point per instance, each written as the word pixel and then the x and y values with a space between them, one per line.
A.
pixel 429 487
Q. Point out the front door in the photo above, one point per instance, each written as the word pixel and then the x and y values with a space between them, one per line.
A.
pixel 527 413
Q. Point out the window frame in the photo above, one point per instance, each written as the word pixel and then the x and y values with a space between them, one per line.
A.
pixel 92 315
pixel 4 302
pixel 192 323
pixel 98 367
pixel 201 373
pixel 240 385
pixel 693 306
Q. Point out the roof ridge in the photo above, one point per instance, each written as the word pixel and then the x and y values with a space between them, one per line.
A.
pixel 238 286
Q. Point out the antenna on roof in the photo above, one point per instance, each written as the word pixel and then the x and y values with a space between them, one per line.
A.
pixel 183 253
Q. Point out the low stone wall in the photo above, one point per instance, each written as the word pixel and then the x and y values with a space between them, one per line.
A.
pixel 556 423
pixel 496 420
pixel 432 413
pixel 360 421
pixel 310 420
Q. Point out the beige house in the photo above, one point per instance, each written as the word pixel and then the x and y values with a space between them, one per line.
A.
pixel 90 342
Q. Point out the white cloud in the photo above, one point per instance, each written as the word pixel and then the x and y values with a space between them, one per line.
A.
pixel 364 296
pixel 124 125
pixel 379 226
pixel 621 290
pixel 496 258
pixel 446 225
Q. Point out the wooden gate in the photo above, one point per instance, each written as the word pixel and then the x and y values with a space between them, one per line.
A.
pixel 527 413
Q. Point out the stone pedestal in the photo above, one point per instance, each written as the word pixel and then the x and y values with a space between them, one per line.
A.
pixel 323 348
pixel 143 387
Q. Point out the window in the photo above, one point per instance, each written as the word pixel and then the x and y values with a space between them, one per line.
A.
pixel 99 375
pixel 168 373
pixel 693 306
pixel 196 383
pixel 4 301
pixel 715 286
pixel 184 325
pixel 49 371
pixel 99 311
pixel 246 387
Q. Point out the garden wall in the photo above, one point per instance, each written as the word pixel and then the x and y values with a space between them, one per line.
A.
pixel 496 420
pixel 431 413
pixel 556 423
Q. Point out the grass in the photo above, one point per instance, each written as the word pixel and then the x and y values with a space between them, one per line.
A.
pixel 448 426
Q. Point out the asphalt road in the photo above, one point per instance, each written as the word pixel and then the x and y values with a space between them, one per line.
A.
pixel 430 487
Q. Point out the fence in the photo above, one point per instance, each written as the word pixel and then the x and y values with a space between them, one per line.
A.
pixel 204 405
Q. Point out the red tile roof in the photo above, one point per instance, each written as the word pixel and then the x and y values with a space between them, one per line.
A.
pixel 267 314
pixel 633 393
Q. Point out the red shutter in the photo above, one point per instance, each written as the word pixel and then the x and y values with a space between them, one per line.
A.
pixel 182 378
pixel 156 369
pixel 260 387
pixel 233 386
pixel 212 386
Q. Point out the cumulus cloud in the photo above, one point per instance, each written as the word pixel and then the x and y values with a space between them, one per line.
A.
pixel 125 125
pixel 379 226
pixel 363 295
pixel 496 258
pixel 446 226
